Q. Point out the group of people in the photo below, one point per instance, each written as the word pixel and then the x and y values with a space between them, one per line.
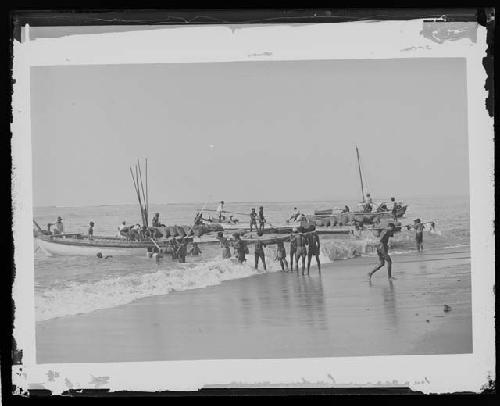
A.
pixel 179 249
pixel 368 206
pixel 302 245
pixel 254 217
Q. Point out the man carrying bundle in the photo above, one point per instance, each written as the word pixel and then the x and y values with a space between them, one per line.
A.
pixel 313 250
pixel 224 244
pixel 281 255
pixel 259 252
pixel 240 248
pixel 383 251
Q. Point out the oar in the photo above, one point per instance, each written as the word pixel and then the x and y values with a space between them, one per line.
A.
pixel 37 226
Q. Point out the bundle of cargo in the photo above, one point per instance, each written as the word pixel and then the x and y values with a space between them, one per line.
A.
pixel 201 229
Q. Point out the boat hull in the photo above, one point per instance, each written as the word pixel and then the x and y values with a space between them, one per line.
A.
pixel 72 247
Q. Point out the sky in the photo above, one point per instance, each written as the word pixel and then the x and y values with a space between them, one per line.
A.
pixel 249 131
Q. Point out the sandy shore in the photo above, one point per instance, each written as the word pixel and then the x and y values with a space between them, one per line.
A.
pixel 283 315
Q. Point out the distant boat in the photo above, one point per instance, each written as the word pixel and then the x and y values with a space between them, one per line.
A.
pixel 328 217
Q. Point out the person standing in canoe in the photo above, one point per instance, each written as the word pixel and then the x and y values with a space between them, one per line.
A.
pixel 220 210
pixel 301 251
pixel 313 249
pixel 293 249
pixel 383 251
pixel 294 215
pixel 259 252
pixel 262 220
pixel 58 226
pixel 224 244
pixel 91 231
pixel 253 220
pixel 281 255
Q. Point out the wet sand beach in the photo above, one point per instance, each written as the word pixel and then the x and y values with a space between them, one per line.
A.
pixel 282 315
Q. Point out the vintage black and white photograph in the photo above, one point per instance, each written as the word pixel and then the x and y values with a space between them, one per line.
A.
pixel 259 209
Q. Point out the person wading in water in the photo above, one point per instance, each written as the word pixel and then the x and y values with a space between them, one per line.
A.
pixel 383 251
pixel 293 249
pixel 224 244
pixel 281 255
pixel 259 252
pixel 240 248
pixel 301 251
pixel 419 234
pixel 313 250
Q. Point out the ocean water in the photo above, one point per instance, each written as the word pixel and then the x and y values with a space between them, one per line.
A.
pixel 69 285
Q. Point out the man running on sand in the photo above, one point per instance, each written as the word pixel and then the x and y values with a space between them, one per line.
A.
pixel 313 250
pixel 383 251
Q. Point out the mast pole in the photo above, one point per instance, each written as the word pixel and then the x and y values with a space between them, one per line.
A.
pixel 147 196
pixel 360 175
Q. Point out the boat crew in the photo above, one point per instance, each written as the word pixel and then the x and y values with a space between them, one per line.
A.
pixel 294 215
pixel 58 226
pixel 253 219
pixel 123 229
pixel 156 221
pixel 91 231
pixel 313 249
pixel 220 210
pixel 368 204
pixel 259 252
pixel 198 219
pixel 262 220
pixel 383 251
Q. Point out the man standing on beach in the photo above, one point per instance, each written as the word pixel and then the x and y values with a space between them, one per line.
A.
pixel 253 220
pixel 383 251
pixel 313 250
pixel 259 252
